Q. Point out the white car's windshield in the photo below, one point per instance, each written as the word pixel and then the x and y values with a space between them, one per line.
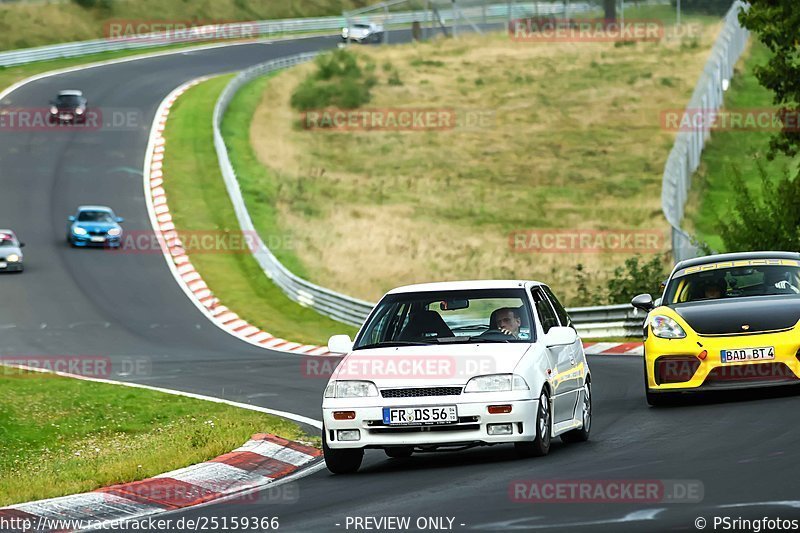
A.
pixel 474 316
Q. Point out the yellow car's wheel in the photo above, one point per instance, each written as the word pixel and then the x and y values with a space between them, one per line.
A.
pixel 656 399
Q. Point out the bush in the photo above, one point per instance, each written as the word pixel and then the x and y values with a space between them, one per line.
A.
pixel 636 277
pixel 767 221
pixel 338 81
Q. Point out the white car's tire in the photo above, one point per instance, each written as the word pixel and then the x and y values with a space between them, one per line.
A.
pixel 341 461
pixel 540 445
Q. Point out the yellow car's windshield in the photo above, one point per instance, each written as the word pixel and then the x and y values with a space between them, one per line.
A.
pixel 732 280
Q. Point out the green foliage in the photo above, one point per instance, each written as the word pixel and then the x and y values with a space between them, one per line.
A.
pixel 636 277
pixel 338 81
pixel 777 23
pixel 394 79
pixel 767 221
pixel 90 4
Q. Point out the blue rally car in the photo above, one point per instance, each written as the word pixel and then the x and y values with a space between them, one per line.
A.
pixel 94 225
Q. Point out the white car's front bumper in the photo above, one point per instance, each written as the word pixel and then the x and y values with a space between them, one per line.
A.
pixel 473 417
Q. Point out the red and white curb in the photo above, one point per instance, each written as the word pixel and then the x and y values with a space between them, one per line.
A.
pixel 613 348
pixel 179 262
pixel 259 462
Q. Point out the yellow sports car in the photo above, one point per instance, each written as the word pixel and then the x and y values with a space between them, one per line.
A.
pixel 724 321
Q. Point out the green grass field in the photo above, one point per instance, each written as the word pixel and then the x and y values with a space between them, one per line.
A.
pixel 731 151
pixel 199 202
pixel 64 436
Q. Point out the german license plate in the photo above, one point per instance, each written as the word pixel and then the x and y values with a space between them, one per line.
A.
pixel 98 239
pixel 748 354
pixel 405 416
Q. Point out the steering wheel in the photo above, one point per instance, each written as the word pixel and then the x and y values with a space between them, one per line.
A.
pixel 490 332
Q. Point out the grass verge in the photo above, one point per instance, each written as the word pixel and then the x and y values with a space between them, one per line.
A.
pixel 199 202
pixel 730 151
pixel 64 436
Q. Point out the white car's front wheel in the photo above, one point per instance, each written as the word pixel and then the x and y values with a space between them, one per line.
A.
pixel 541 444
pixel 345 461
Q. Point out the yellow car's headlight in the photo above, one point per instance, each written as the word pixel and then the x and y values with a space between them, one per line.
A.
pixel 666 328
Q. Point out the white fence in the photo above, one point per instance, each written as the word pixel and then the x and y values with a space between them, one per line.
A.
pixel 707 98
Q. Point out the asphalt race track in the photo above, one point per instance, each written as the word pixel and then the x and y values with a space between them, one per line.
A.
pixel 742 448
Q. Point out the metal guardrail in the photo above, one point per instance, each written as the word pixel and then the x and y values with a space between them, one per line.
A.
pixel 608 321
pixel 337 306
pixel 684 159
pixel 256 29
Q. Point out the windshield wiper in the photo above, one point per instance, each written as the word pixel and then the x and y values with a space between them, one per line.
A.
pixel 390 344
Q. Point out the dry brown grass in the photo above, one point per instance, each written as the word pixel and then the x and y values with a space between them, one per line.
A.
pixel 575 142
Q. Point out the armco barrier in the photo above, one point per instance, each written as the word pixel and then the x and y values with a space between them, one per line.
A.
pixel 684 159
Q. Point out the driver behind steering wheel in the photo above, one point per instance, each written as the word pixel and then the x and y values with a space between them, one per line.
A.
pixel 506 320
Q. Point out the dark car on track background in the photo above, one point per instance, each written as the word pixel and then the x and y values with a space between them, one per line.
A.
pixel 68 107
pixel 94 225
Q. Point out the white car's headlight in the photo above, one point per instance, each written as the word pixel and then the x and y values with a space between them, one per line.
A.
pixel 13 258
pixel 350 389
pixel 496 383
pixel 666 328
pixel 78 230
pixel 114 232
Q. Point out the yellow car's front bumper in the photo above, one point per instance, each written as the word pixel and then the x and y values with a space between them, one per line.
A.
pixel 678 364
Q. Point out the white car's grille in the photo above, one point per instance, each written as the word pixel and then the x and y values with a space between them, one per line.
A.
pixel 419 392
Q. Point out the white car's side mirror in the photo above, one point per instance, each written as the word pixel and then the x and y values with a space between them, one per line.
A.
pixel 560 336
pixel 340 344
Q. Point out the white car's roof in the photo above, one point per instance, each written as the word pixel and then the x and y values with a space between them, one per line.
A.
pixel 7 232
pixel 70 92
pixel 464 285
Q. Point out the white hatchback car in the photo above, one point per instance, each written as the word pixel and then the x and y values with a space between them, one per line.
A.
pixel 453 365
